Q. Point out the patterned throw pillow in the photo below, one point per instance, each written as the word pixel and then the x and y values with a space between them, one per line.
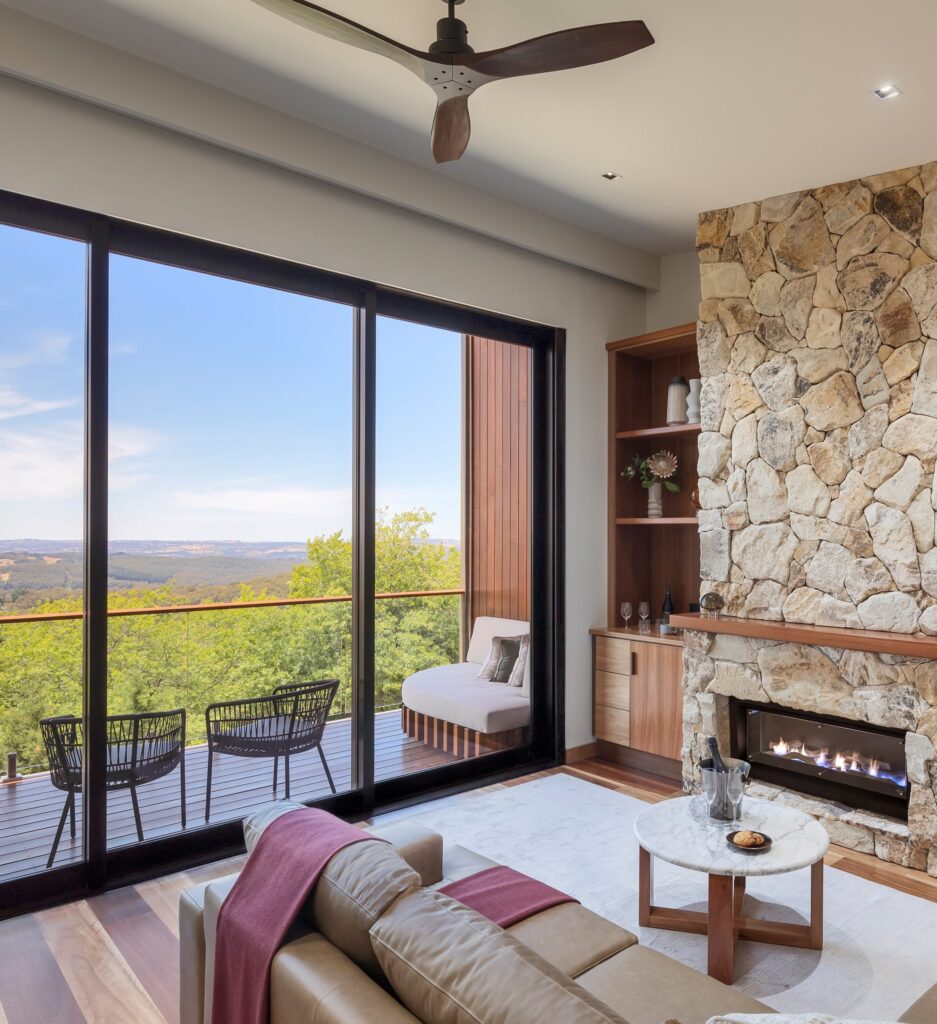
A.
pixel 502 657
pixel 520 666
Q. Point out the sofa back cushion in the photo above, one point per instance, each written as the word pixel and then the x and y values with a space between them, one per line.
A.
pixel 355 888
pixel 449 965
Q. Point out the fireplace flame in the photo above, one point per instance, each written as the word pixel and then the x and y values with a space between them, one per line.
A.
pixel 799 750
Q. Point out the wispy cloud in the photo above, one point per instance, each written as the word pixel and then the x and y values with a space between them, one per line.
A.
pixel 277 501
pixel 47 348
pixel 14 403
pixel 44 465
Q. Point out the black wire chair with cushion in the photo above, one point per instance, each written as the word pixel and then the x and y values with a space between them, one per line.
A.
pixel 289 721
pixel 141 748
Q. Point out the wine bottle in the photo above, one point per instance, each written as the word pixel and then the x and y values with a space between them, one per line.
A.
pixel 718 764
pixel 668 609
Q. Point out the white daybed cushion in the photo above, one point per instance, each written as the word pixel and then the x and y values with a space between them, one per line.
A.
pixel 455 694
pixel 486 627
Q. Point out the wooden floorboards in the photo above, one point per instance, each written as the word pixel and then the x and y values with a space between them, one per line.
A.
pixel 114 958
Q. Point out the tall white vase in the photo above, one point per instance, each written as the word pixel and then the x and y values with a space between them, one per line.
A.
pixel 692 401
pixel 655 502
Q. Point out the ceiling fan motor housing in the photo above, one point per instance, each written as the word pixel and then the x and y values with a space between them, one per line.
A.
pixel 451 37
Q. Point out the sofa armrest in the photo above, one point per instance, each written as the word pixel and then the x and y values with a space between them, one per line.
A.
pixel 420 847
pixel 192 955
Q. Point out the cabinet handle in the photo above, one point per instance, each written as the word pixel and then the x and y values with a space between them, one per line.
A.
pixel 634 663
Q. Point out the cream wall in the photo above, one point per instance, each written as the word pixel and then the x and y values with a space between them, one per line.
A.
pixel 677 299
pixel 79 154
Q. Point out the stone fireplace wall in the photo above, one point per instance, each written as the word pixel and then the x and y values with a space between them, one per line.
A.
pixel 818 351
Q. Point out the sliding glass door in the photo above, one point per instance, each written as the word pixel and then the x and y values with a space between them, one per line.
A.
pixel 230 548
pixel 42 383
pixel 243 505
pixel 419 544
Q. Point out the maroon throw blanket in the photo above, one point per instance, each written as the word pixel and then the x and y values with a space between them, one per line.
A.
pixel 504 895
pixel 280 873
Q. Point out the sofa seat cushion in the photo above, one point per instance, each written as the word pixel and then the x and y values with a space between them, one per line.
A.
pixel 572 938
pixel 648 988
pixel 449 965
pixel 454 693
pixel 311 980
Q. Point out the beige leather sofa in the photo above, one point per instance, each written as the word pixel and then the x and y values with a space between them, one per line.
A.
pixel 376 936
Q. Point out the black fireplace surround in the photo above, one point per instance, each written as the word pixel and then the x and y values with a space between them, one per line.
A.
pixel 852 763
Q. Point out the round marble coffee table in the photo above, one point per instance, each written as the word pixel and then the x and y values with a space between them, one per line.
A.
pixel 676 833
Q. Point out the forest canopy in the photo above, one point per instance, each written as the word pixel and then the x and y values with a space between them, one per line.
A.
pixel 163 661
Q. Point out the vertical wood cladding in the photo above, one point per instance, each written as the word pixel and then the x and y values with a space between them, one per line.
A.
pixel 498 469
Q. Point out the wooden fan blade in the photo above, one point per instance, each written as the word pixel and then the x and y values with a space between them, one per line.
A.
pixel 318 19
pixel 452 128
pixel 559 51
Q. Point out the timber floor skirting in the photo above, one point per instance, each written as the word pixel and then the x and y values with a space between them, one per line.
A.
pixel 114 958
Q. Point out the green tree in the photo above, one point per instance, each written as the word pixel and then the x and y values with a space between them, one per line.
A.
pixel 195 658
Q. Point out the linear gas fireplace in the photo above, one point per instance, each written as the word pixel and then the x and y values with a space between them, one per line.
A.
pixel 851 762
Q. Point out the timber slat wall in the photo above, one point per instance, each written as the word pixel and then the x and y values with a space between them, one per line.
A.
pixel 498 468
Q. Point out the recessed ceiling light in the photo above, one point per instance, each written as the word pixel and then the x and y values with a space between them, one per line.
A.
pixel 888 91
pixel 611 176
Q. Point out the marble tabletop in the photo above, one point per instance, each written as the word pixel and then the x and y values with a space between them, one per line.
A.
pixel 679 831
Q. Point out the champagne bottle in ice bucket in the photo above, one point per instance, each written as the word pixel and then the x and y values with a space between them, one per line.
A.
pixel 723 783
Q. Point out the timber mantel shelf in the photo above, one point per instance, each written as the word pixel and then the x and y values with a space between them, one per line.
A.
pixel 874 641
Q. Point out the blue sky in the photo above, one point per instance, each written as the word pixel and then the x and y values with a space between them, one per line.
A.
pixel 230 405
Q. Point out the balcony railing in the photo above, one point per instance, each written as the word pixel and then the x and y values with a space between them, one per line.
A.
pixel 202 663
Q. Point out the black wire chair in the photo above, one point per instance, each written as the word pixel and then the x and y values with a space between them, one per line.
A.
pixel 141 748
pixel 289 721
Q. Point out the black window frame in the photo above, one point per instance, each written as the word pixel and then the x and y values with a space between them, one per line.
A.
pixel 104 868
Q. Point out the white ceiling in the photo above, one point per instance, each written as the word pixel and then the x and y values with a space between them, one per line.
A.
pixel 737 99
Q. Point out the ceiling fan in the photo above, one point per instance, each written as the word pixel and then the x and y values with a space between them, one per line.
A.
pixel 453 70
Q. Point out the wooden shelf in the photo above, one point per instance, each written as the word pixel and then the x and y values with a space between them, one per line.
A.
pixel 657 521
pixel 680 430
pixel 819 636
pixel 633 633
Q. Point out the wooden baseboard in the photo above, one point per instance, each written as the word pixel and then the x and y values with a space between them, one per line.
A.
pixel 583 753
pixel 663 767
pixel 457 739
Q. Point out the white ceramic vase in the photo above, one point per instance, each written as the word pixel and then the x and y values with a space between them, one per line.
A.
pixel 676 401
pixel 692 401
pixel 655 502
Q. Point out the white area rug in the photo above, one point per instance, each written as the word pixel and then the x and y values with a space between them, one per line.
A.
pixel 880 944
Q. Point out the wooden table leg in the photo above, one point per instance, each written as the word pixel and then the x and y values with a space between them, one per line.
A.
pixel 816 905
pixel 645 886
pixel 722 928
pixel 739 902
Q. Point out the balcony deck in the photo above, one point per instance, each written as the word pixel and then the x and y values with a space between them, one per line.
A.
pixel 30 810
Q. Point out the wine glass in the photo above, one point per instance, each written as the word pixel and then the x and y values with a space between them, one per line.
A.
pixel 644 613
pixel 626 611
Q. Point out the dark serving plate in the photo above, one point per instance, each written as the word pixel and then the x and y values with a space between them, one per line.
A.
pixel 766 845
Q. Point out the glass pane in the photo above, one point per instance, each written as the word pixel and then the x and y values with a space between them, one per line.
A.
pixel 418 528
pixel 230 530
pixel 42 351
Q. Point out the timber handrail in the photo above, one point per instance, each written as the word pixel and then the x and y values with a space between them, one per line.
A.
pixel 178 609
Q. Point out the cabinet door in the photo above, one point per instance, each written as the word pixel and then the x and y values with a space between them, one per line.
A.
pixel 656 700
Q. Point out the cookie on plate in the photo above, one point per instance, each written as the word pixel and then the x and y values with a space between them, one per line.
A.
pixel 748 839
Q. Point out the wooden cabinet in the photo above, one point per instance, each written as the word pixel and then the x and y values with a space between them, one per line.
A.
pixel 638 695
pixel 656 708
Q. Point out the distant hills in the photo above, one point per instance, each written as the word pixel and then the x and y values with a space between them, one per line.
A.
pixel 36 570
